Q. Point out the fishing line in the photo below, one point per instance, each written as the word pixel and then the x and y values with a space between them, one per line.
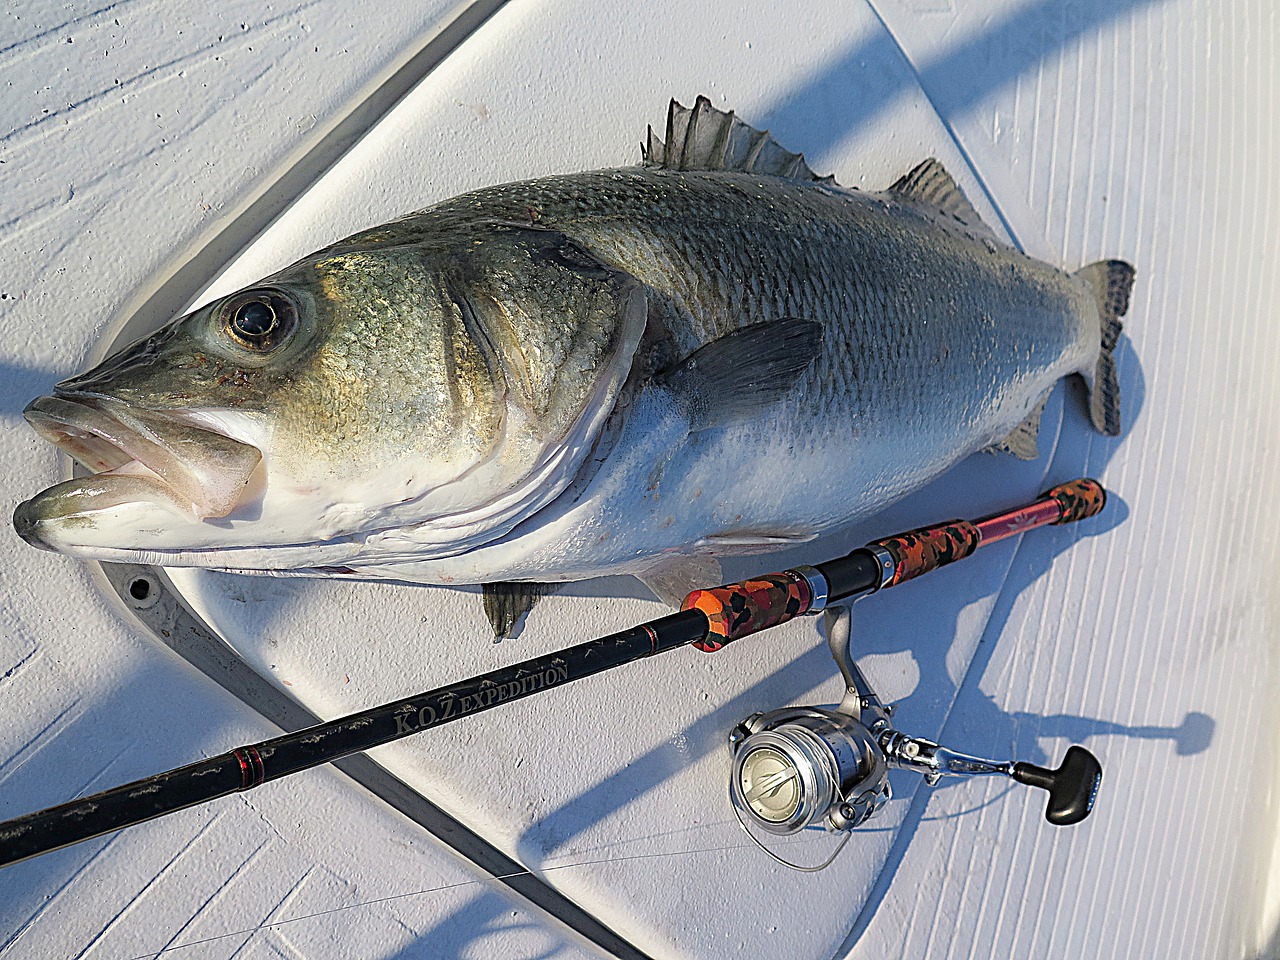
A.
pixel 249 931
pixel 946 125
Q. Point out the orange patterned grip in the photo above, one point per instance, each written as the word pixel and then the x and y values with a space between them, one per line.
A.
pixel 736 610
pixel 919 551
pixel 1078 499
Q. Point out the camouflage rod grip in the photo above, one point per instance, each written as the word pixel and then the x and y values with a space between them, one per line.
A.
pixel 918 551
pixel 1079 499
pixel 736 610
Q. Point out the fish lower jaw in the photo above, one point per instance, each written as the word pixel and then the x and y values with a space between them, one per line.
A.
pixel 137 519
pixel 78 516
pixel 71 541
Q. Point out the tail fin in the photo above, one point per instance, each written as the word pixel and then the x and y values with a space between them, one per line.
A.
pixel 1111 281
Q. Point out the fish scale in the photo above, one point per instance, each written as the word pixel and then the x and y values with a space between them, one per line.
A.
pixel 616 371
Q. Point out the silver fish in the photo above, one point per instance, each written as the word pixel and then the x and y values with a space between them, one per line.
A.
pixel 637 371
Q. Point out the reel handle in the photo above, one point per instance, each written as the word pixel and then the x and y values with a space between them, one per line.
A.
pixel 1072 787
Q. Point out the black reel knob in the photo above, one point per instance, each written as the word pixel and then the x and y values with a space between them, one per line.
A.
pixel 1072 787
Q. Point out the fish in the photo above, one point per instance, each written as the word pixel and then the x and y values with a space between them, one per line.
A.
pixel 641 370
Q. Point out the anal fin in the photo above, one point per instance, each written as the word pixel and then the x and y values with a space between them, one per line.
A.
pixel 1021 441
pixel 675 577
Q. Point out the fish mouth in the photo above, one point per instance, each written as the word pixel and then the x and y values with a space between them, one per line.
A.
pixel 136 456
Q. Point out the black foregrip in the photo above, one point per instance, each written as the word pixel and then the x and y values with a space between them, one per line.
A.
pixel 850 575
pixel 1072 787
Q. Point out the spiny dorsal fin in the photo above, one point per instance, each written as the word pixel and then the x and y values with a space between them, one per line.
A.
pixel 705 138
pixel 930 186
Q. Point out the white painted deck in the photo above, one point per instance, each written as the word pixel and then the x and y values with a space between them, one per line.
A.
pixel 132 132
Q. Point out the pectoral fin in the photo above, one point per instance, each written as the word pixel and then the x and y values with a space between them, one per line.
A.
pixel 743 371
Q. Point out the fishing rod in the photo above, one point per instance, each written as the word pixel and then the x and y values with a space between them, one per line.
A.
pixel 792 768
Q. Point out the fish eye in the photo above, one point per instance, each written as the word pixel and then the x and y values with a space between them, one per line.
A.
pixel 260 320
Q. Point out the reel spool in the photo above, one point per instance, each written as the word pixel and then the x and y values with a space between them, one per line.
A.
pixel 801 766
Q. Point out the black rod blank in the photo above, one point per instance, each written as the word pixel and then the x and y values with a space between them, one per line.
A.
pixel 249 766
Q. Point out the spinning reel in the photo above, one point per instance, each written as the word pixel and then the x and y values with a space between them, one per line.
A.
pixel 799 767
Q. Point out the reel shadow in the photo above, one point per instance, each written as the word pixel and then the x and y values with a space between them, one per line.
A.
pixel 987 729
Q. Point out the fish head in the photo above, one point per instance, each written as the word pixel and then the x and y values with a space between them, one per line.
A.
pixel 448 385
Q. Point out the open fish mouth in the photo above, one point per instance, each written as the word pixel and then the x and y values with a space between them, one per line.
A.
pixel 159 458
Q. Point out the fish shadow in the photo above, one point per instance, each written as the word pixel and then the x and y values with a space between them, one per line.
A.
pixel 20 384
pixel 920 620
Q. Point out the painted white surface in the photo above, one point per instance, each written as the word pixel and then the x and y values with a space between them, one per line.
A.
pixel 1142 129
pixel 129 128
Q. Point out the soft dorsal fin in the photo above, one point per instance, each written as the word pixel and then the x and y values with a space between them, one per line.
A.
pixel 705 138
pixel 929 185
